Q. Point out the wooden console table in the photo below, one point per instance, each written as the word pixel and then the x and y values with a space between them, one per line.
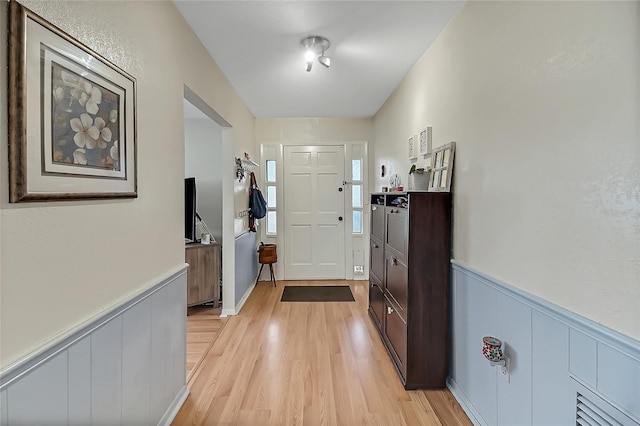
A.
pixel 203 276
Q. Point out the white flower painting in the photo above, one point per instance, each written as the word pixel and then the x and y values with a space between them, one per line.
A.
pixel 88 114
pixel 72 127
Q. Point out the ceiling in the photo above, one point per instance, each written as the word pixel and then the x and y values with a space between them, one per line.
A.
pixel 373 46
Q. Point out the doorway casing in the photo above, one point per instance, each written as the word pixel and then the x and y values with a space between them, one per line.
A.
pixel 228 234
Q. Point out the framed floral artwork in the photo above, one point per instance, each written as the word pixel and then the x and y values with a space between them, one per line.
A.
pixel 72 117
pixel 425 141
pixel 412 147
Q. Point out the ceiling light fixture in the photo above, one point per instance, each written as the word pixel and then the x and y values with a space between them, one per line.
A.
pixel 315 46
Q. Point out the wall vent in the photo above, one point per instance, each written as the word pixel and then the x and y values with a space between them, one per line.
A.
pixel 591 410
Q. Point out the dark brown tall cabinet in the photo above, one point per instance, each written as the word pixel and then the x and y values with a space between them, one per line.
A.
pixel 409 282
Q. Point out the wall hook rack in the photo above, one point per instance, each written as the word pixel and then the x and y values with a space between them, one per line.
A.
pixel 244 166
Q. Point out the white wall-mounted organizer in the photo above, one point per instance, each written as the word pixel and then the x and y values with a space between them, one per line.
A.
pixel 244 165
pixel 242 213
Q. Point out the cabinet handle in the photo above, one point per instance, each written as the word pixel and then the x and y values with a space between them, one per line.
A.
pixel 389 310
pixel 394 260
pixel 374 208
pixel 374 245
pixel 391 211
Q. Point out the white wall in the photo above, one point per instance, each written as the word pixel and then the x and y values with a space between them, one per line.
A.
pixel 543 100
pixel 203 160
pixel 311 130
pixel 65 262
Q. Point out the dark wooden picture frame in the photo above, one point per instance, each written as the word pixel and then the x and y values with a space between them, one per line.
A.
pixel 72 117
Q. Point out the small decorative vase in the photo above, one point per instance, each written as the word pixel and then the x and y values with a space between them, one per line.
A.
pixel 492 349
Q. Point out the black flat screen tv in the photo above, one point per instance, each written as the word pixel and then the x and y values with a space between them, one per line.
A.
pixel 190 209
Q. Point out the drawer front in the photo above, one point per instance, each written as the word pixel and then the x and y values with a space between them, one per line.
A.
pixel 376 302
pixel 397 229
pixel 377 221
pixel 396 282
pixel 395 329
pixel 377 259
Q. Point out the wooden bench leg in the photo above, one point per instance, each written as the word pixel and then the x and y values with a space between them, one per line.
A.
pixel 259 273
pixel 273 275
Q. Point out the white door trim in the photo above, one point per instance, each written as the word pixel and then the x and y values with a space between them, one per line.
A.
pixel 357 245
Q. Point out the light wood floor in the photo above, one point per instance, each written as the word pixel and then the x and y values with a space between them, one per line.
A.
pixel 203 327
pixel 306 364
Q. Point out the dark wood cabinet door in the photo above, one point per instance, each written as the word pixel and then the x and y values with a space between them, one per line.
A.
pixel 377 259
pixel 376 301
pixel 397 231
pixel 396 282
pixel 395 330
pixel 377 221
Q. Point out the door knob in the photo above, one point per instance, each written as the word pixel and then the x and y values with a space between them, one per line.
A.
pixel 340 218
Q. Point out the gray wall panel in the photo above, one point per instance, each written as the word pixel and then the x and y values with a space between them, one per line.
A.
pixel 177 298
pixel 136 370
pixel 481 307
pixel 40 397
pixel 3 408
pixel 514 390
pixel 457 367
pixel 160 354
pixel 553 400
pixel 583 357
pixel 246 266
pixel 106 373
pixel 79 356
pixel 619 379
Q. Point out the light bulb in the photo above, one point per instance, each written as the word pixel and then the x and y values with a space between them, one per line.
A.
pixel 309 55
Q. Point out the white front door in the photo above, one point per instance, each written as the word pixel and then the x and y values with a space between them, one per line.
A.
pixel 314 212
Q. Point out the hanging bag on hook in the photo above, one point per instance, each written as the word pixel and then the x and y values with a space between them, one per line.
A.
pixel 257 204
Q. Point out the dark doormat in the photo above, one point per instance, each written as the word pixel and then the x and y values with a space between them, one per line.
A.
pixel 296 293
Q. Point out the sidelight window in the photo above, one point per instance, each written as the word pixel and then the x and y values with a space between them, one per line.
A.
pixel 356 195
pixel 272 215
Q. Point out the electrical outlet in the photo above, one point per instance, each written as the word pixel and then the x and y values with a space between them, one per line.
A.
pixel 358 269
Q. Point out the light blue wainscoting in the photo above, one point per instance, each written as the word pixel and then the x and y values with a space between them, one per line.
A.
pixel 246 266
pixel 551 352
pixel 127 366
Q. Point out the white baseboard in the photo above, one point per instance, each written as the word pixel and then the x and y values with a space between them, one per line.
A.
pixel 245 297
pixel 226 312
pixel 175 406
pixel 470 411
